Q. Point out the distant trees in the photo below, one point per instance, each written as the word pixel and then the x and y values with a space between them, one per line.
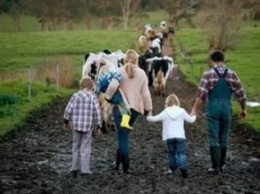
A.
pixel 180 9
pixel 53 14
pixel 129 8
pixel 222 23
pixel 14 8
pixel 255 9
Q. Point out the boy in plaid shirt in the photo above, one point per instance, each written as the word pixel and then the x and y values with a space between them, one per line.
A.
pixel 82 114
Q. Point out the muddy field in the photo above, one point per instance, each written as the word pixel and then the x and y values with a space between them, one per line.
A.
pixel 36 159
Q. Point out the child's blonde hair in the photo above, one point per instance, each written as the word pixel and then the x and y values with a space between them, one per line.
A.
pixel 86 82
pixel 131 59
pixel 172 100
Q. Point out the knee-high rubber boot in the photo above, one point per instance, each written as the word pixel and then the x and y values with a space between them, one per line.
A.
pixel 125 122
pixel 125 163
pixel 215 159
pixel 222 157
pixel 118 160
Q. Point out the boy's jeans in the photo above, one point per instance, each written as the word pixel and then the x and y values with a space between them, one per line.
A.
pixel 176 147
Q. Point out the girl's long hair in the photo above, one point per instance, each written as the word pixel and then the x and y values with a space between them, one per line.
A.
pixel 131 59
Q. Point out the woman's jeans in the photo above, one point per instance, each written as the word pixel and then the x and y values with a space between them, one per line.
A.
pixel 122 152
pixel 176 153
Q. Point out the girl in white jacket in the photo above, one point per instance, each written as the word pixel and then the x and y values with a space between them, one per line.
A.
pixel 172 118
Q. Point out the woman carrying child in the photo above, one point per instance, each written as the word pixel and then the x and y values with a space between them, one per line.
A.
pixel 137 100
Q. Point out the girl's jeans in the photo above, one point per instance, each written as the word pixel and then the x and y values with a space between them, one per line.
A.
pixel 176 153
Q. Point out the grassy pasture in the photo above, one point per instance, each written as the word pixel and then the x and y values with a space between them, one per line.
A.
pixel 243 59
pixel 37 49
pixel 20 50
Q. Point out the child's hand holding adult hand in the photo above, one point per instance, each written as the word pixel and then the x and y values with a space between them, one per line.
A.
pixel 148 113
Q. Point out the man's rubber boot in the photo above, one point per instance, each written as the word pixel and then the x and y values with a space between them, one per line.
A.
pixel 125 122
pixel 222 158
pixel 215 160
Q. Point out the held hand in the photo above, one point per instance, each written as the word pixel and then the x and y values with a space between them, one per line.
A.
pixel 243 114
pixel 147 113
pixel 150 113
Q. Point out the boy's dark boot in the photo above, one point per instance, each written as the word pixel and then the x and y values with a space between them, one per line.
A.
pixel 215 160
pixel 222 158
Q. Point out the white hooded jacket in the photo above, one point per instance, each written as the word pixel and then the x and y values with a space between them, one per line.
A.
pixel 173 122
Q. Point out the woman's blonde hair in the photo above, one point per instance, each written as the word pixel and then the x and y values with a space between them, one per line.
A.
pixel 86 82
pixel 131 59
pixel 172 100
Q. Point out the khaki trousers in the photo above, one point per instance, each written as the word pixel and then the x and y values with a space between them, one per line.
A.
pixel 81 151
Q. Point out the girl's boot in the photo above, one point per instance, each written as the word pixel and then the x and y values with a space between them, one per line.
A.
pixel 125 121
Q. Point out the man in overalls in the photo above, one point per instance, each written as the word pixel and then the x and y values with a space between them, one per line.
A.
pixel 216 87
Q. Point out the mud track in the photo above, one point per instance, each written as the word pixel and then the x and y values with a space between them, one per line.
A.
pixel 37 157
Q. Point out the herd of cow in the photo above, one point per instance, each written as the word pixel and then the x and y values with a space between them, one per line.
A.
pixel 158 67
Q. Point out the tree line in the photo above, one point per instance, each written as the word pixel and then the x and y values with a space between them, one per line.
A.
pixel 59 12
pixel 52 14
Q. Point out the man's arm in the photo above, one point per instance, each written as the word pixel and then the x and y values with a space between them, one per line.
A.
pixel 243 112
pixel 198 103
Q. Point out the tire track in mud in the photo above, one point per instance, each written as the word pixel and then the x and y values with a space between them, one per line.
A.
pixel 36 158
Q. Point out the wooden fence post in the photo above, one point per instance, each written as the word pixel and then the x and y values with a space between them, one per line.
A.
pixel 29 83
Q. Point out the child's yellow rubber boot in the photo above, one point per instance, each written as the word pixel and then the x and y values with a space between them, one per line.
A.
pixel 125 122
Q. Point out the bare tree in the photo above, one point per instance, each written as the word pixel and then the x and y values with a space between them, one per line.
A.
pixel 180 9
pixel 109 11
pixel 223 23
pixel 255 9
pixel 129 7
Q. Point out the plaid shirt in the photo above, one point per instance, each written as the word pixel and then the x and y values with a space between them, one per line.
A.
pixel 83 111
pixel 210 78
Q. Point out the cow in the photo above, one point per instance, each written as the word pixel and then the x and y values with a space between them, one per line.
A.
pixel 163 30
pixel 143 43
pixel 159 70
pixel 159 83
pixel 94 62
pixel 147 31
pixel 142 63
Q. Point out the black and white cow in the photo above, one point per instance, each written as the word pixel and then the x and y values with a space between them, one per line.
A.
pixel 156 64
pixel 94 62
